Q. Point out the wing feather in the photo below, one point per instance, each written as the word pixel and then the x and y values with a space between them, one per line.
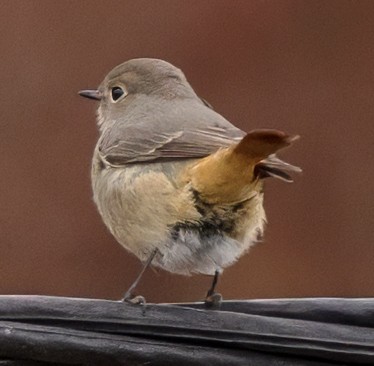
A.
pixel 154 146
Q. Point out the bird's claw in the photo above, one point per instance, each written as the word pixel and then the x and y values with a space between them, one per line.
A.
pixel 134 300
pixel 213 300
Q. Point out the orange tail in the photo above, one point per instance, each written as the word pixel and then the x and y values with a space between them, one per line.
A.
pixel 229 175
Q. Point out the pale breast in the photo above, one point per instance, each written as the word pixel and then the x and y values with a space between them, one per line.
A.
pixel 145 208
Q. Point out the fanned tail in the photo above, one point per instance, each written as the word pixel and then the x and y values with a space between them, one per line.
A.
pixel 276 168
pixel 229 175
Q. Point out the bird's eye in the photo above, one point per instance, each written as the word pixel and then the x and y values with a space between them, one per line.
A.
pixel 117 93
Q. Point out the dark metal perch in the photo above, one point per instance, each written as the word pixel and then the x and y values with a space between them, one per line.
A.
pixel 39 330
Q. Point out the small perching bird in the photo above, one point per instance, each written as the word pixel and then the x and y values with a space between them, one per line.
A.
pixel 176 183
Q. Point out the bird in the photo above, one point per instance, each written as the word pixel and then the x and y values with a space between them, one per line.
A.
pixel 177 184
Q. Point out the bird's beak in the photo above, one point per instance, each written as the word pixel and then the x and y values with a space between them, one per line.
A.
pixel 90 94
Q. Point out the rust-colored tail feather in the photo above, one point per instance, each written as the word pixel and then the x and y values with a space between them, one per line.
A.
pixel 229 175
pixel 259 144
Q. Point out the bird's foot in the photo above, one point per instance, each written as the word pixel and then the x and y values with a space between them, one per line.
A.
pixel 213 300
pixel 134 300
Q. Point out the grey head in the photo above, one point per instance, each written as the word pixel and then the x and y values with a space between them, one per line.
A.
pixel 149 112
pixel 133 81
pixel 147 76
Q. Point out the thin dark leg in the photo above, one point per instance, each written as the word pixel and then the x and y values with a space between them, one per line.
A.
pixel 214 284
pixel 213 299
pixel 128 294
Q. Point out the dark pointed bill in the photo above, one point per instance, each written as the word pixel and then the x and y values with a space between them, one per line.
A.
pixel 90 94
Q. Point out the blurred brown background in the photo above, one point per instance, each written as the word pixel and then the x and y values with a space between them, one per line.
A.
pixel 305 67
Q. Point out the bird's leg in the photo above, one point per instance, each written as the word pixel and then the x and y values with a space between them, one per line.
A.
pixel 128 295
pixel 213 299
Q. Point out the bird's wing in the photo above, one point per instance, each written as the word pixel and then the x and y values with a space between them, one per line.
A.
pixel 139 145
pixel 184 131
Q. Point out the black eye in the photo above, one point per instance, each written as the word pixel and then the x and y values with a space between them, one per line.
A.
pixel 117 93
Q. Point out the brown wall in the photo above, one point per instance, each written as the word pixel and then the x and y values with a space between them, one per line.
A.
pixel 305 67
